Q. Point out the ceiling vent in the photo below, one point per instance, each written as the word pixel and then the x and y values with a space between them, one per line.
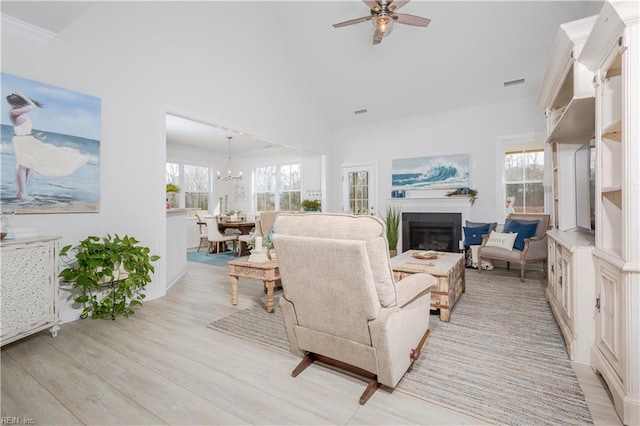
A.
pixel 513 82
pixel 360 111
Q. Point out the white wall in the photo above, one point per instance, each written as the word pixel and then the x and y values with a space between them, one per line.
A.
pixel 475 131
pixel 144 59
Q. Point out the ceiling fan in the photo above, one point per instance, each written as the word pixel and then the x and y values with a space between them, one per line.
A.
pixel 383 15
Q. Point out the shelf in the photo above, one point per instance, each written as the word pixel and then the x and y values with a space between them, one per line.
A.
pixel 614 197
pixel 578 121
pixel 616 67
pixel 614 188
pixel 613 132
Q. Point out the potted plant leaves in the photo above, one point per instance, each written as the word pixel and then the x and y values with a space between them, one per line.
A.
pixel 392 222
pixel 110 274
pixel 310 205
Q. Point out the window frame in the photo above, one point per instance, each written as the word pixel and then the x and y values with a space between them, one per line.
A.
pixel 191 211
pixel 502 145
pixel 277 184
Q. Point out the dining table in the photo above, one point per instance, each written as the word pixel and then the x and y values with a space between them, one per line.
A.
pixel 244 227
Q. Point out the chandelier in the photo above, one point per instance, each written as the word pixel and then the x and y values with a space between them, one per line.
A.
pixel 229 174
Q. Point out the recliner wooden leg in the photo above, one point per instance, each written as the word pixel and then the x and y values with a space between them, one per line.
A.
pixel 415 353
pixel 522 272
pixel 306 361
pixel 372 387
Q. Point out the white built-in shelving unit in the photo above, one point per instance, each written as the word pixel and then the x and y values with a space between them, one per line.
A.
pixel 568 98
pixel 612 53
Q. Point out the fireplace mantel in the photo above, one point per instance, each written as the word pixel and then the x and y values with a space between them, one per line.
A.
pixel 434 205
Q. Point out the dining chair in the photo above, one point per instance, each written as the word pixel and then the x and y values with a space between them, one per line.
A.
pixel 202 229
pixel 257 231
pixel 215 236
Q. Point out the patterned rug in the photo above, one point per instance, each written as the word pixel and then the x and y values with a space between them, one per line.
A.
pixel 212 259
pixel 500 359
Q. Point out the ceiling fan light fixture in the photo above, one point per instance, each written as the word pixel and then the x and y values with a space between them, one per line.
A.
pixel 229 176
pixel 383 24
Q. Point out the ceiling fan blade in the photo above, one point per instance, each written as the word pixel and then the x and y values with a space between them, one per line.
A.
pixel 373 5
pixel 404 18
pixel 353 21
pixel 397 4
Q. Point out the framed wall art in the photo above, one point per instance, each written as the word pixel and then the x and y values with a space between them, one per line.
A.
pixel 438 172
pixel 50 148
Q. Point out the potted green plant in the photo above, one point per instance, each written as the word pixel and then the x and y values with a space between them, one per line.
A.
pixel 110 273
pixel 392 222
pixel 310 205
pixel 172 195
pixel 171 187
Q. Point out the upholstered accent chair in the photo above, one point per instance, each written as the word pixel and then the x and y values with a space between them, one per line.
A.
pixel 340 303
pixel 267 219
pixel 533 250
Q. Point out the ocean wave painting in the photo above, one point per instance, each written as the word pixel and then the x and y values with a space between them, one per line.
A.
pixel 438 172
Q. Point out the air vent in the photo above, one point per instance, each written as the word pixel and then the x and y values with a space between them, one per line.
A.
pixel 360 111
pixel 514 82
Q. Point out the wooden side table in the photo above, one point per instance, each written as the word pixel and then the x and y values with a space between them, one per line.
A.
pixel 266 271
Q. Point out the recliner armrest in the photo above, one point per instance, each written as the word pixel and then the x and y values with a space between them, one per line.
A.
pixel 412 287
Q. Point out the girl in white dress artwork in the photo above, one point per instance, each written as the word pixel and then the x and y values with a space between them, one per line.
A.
pixel 33 155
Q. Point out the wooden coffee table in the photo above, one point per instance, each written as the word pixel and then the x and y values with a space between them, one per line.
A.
pixel 266 271
pixel 447 268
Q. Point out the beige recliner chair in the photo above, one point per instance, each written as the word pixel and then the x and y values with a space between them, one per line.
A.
pixel 340 303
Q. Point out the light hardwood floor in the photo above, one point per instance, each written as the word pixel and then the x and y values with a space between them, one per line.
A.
pixel 164 366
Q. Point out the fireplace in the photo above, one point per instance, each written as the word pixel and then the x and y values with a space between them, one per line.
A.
pixel 431 231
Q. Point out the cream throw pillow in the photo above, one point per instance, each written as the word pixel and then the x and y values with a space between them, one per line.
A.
pixel 502 240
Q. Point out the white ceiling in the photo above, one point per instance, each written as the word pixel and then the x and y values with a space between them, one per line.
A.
pixel 460 60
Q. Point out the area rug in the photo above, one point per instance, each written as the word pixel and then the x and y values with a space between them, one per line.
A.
pixel 500 359
pixel 212 259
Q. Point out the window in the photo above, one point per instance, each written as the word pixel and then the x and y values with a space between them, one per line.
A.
pixel 196 187
pixel 523 177
pixel 265 188
pixel 290 187
pixel 278 187
pixel 194 182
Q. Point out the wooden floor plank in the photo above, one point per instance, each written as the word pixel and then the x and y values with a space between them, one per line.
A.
pixel 164 365
pixel 19 392
pixel 82 392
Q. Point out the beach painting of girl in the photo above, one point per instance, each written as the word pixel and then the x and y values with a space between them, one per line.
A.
pixel 50 150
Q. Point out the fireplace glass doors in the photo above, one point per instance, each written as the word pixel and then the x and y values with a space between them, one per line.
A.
pixel 431 231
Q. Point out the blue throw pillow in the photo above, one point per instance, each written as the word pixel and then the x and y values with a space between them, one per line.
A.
pixel 473 236
pixel 524 230
pixel 507 223
pixel 492 225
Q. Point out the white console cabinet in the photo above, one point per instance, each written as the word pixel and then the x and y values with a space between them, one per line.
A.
pixel 570 290
pixel 29 269
pixel 612 53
